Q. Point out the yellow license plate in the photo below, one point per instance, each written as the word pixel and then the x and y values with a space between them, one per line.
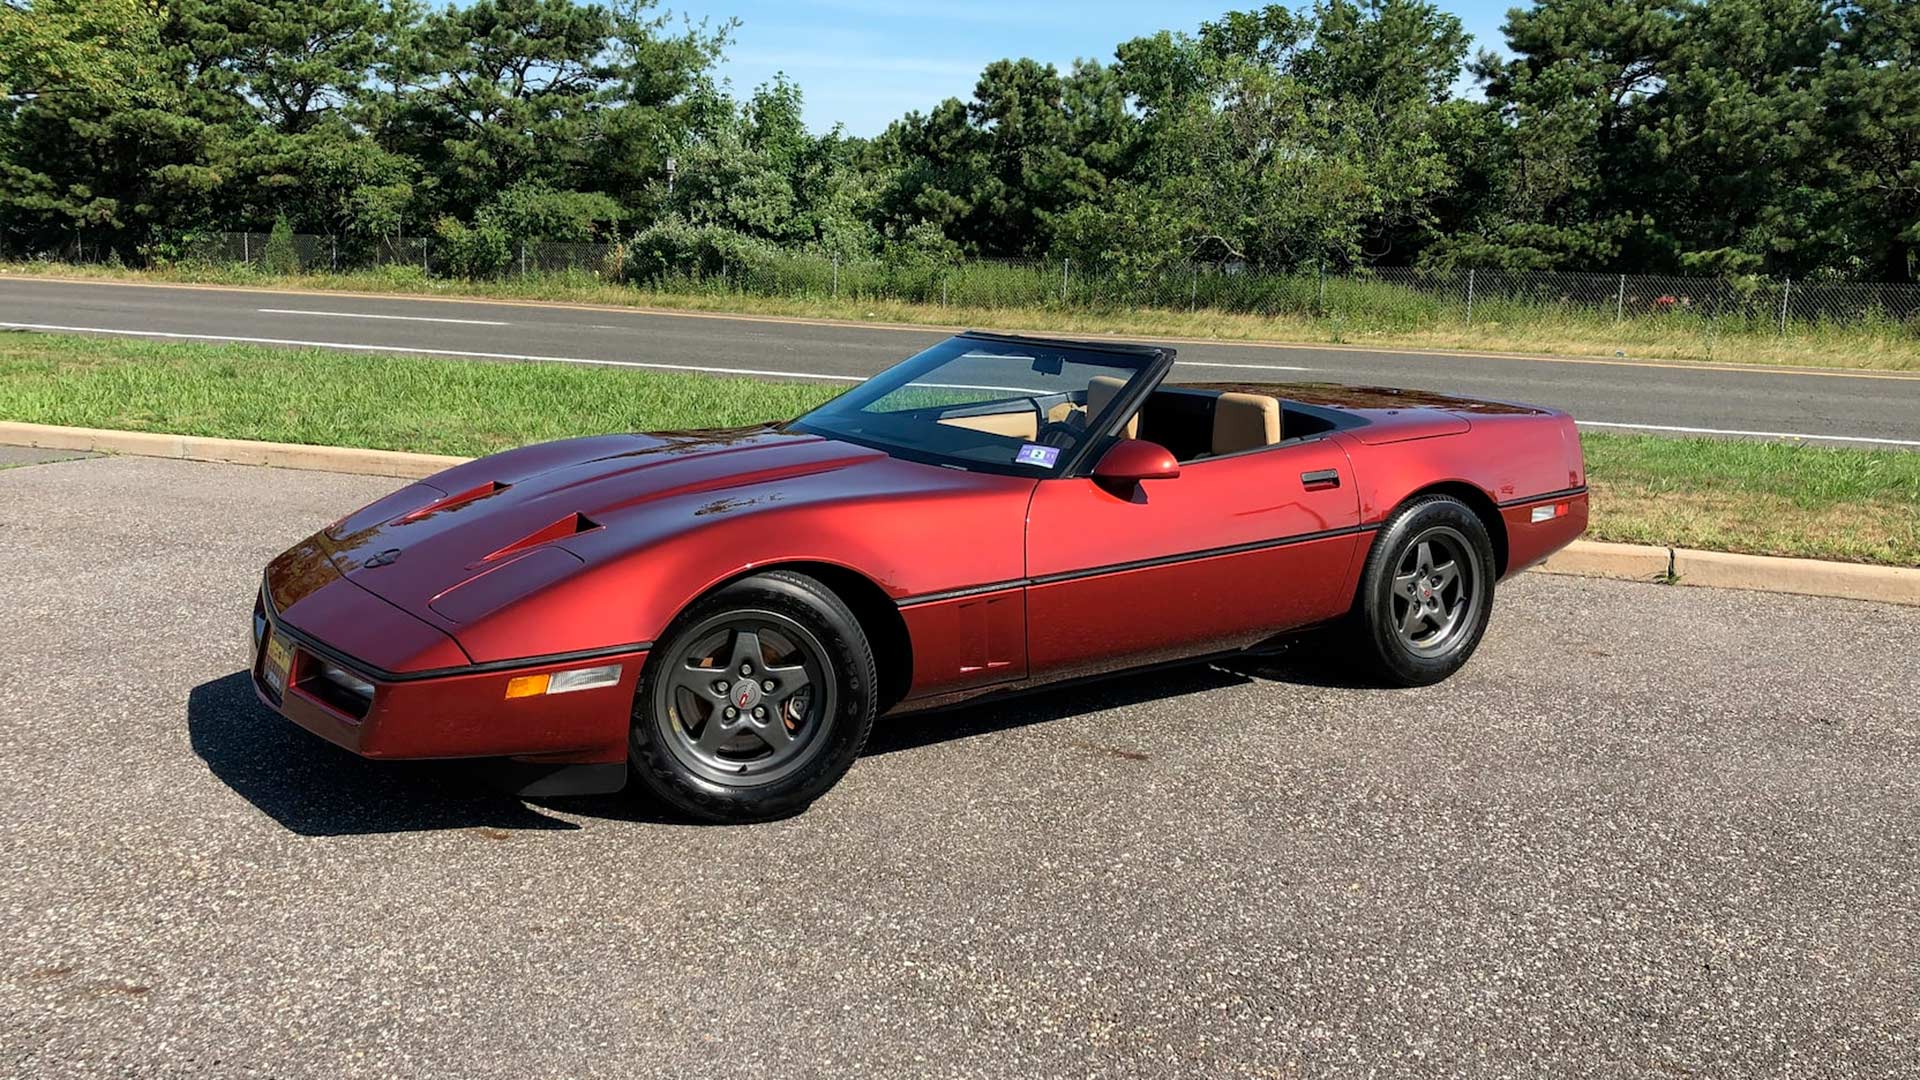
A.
pixel 279 658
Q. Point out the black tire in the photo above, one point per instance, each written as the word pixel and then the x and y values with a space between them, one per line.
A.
pixel 749 769
pixel 1447 618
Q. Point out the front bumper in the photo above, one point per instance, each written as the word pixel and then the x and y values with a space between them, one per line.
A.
pixel 448 712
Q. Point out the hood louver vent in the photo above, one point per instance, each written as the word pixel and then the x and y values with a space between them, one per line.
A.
pixel 571 525
pixel 459 498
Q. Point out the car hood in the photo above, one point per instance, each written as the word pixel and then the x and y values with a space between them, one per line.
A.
pixel 476 536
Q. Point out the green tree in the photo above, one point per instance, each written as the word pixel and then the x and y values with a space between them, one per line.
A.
pixel 759 172
pixel 1870 118
pixel 563 96
pixel 103 48
pixel 1658 135
pixel 1284 139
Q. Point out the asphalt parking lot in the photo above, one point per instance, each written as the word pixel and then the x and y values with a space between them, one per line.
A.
pixel 1648 831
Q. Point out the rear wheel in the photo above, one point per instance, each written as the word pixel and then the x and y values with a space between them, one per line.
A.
pixel 1425 594
pixel 757 701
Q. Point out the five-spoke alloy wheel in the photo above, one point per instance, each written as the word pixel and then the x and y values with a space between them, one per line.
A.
pixel 756 701
pixel 1426 592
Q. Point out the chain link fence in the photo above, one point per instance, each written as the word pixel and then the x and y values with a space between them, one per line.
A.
pixel 1382 298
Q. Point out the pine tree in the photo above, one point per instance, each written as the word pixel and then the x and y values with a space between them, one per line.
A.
pixel 282 258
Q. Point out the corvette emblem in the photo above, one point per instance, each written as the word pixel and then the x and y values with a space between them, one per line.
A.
pixel 389 556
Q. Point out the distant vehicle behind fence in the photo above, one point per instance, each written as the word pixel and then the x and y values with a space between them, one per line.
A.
pixel 1377 298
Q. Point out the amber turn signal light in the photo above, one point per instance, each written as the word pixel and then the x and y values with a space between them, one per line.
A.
pixel 526 686
pixel 564 682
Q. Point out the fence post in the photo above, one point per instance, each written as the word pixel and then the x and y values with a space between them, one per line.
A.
pixel 1713 324
pixel 246 248
pixel 836 275
pixel 1620 301
pixel 1470 297
pixel 943 290
pixel 523 256
pixel 1320 278
pixel 1786 290
pixel 1193 293
pixel 1065 266
pixel 333 257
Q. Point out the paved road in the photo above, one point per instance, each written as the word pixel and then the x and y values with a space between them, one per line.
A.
pixel 1820 406
pixel 1648 831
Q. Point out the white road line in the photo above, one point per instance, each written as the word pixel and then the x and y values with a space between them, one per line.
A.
pixel 1244 367
pixel 1752 434
pixel 706 370
pixel 977 386
pixel 416 350
pixel 365 315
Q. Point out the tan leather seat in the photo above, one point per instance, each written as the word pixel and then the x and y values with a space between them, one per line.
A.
pixel 1244 422
pixel 1101 390
pixel 1018 425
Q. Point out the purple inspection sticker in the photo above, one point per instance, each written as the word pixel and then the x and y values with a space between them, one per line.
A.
pixel 1035 454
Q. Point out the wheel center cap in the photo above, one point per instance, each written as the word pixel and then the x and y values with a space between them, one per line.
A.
pixel 744 695
pixel 1426 591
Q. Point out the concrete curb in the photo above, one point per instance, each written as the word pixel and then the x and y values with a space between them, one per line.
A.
pixel 338 459
pixel 1583 558
pixel 1623 562
pixel 1808 577
pixel 1730 570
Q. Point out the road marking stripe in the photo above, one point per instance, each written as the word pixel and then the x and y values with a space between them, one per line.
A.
pixel 934 328
pixel 1753 434
pixel 1246 367
pixel 367 315
pixel 416 350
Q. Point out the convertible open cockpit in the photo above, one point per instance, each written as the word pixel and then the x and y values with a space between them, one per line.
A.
pixel 1193 421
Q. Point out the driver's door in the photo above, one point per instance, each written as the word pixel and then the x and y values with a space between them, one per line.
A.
pixel 1231 551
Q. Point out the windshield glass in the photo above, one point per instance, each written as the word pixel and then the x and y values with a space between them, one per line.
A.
pixel 1005 406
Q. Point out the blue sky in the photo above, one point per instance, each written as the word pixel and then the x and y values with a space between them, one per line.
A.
pixel 865 62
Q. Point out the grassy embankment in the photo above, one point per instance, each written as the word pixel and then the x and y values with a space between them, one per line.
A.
pixel 1767 498
pixel 1356 313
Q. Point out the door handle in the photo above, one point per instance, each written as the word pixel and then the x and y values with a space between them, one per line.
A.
pixel 1320 479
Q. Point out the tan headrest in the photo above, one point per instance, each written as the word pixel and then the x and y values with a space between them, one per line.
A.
pixel 1101 390
pixel 1245 422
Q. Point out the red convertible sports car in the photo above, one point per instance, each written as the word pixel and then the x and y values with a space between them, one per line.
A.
pixel 723 614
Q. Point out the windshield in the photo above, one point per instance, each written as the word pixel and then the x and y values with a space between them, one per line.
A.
pixel 1004 406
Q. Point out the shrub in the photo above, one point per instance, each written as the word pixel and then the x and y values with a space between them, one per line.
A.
pixel 473 251
pixel 282 258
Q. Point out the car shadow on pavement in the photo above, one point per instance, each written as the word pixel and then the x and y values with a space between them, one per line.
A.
pixel 1305 663
pixel 315 788
pixel 987 716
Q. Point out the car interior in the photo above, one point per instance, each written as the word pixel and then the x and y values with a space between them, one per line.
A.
pixel 1193 423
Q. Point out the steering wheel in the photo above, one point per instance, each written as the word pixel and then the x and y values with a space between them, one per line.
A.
pixel 1068 430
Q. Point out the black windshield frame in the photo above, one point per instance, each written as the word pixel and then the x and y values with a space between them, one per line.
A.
pixel 1147 365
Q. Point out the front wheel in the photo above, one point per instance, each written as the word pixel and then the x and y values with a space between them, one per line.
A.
pixel 757 701
pixel 1425 594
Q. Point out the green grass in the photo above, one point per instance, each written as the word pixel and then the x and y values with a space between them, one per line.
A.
pixel 1278 309
pixel 326 398
pixel 1766 498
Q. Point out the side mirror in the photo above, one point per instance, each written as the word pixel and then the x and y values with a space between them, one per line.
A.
pixel 1132 460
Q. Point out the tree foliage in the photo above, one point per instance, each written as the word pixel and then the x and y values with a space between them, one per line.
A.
pixel 1731 136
